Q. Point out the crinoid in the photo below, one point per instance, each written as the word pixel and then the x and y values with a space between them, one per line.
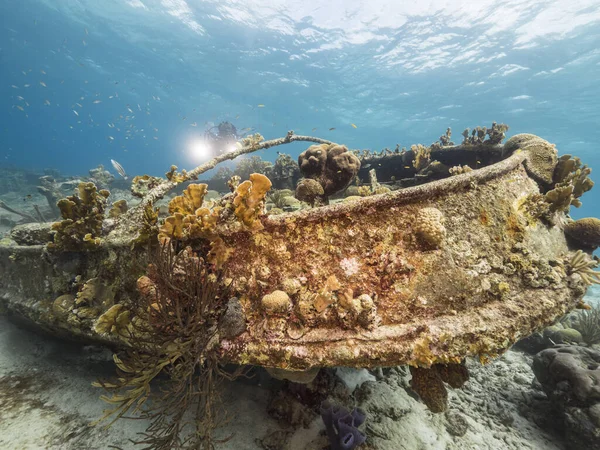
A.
pixel 175 334
pixel 583 265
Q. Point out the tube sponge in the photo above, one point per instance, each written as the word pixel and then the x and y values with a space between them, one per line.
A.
pixel 342 426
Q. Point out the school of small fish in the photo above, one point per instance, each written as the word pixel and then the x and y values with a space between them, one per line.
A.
pixel 123 120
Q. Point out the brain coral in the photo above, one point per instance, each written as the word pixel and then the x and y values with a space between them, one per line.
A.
pixel 277 302
pixel 542 158
pixel 429 227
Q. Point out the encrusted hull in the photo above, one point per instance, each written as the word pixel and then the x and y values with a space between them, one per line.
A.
pixel 428 274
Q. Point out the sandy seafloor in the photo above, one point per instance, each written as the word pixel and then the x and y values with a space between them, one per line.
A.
pixel 47 401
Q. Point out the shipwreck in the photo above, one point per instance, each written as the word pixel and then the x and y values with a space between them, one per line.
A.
pixel 440 253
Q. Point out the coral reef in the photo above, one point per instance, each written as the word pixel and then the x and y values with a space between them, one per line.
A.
pixel 311 192
pixel 82 215
pixel 570 377
pixel 332 165
pixel 342 426
pixel 571 180
pixel 101 177
pixel 444 141
pixel 496 134
pixel 119 207
pixel 279 197
pixel 253 164
pixel 234 182
pixel 586 232
pixel 176 177
pixel 422 156
pixel 478 136
pixel 252 140
pixel 223 173
pixel 141 185
pixel 285 172
pixel 191 220
pixel 149 226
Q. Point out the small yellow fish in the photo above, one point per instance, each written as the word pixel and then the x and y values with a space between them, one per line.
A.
pixel 353 126
pixel 20 108
pixel 76 113
pixel 261 106
pixel 20 98
pixel 43 84
pixel 79 104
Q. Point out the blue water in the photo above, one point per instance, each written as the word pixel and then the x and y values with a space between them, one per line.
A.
pixel 400 73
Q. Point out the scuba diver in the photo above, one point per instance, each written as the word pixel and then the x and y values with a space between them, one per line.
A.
pixel 221 138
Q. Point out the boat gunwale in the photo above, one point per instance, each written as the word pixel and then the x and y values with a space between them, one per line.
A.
pixel 402 196
pixel 379 201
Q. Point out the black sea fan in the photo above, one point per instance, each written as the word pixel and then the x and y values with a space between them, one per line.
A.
pixel 181 301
